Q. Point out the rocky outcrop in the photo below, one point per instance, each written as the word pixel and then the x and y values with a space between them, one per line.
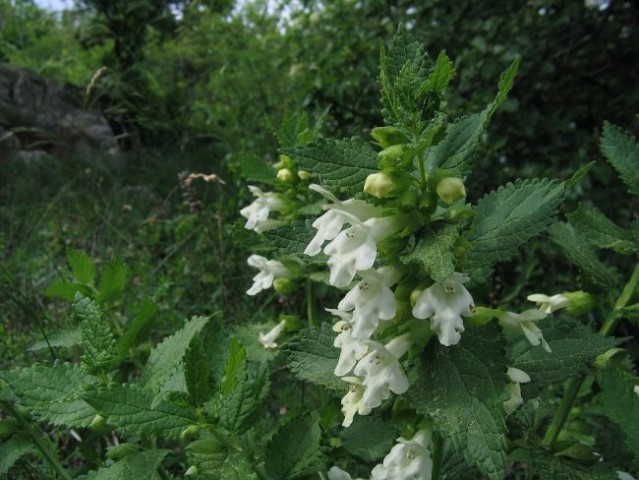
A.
pixel 40 118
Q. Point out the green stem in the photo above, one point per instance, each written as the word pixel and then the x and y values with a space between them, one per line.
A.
pixel 438 456
pixel 310 304
pixel 572 389
pixel 37 439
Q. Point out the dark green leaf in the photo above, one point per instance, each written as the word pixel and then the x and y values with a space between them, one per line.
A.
pixel 593 225
pixel 622 152
pixel 291 239
pixel 138 466
pixel 112 282
pixel 369 438
pixel 12 450
pixel 434 251
pixel 100 350
pixel 82 266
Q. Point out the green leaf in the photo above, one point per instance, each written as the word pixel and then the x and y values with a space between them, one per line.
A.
pixel 507 218
pixel 131 409
pixel 12 450
pixel 462 389
pixel 622 152
pixel 295 449
pixel 341 165
pixel 112 282
pixel 255 169
pixel 100 351
pixel 144 314
pixel 580 252
pixel 244 387
pixel 237 467
pixel 369 438
pixel 64 338
pixel 197 373
pixel 574 348
pixel 82 266
pixel 543 464
pixel 138 466
pixel 441 75
pixel 434 251
pixel 313 358
pixel 53 393
pixel 67 291
pixel 593 225
pixel 291 239
pixel 620 403
pixel 167 356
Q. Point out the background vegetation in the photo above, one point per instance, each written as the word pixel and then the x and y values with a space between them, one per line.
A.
pixel 205 86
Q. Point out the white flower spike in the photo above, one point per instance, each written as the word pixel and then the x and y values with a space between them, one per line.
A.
pixel 351 349
pixel 381 371
pixel 331 222
pixel 407 460
pixel 352 402
pixel 549 304
pixel 445 303
pixel 516 377
pixel 257 212
pixel 269 271
pixel 268 339
pixel 525 322
pixel 371 300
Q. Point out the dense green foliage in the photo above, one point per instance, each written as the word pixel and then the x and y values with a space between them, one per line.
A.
pixel 129 347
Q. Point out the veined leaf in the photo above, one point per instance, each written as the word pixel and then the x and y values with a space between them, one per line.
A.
pixel 622 152
pixel 53 393
pixel 295 449
pixel 510 216
pixel 82 266
pixel 112 281
pixel 593 225
pixel 12 450
pixel 369 438
pixel 139 466
pixel 100 351
pixel 462 389
pixel 255 169
pixel 139 410
pixel 433 251
pixel 341 165
pixel 167 355
pixel 63 338
pixel 313 358
pixel 291 239
pixel 197 372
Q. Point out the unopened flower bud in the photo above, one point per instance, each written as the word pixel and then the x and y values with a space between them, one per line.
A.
pixel 390 156
pixel 379 184
pixel 387 136
pixel 450 189
pixel 284 175
pixel 189 431
pixel 285 162
pixel 580 302
pixel 98 423
pixel 283 285
pixel 304 176
pixel 191 471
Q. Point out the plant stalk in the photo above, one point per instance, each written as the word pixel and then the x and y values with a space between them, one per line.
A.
pixel 310 304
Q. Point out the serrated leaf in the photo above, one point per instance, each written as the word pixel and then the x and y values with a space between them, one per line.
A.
pixel 369 438
pixel 622 152
pixel 67 291
pixel 507 218
pixel 255 169
pixel 166 357
pixel 313 358
pixel 197 373
pixel 291 239
pixel 144 314
pixel 434 251
pixel 139 410
pixel 601 232
pixel 340 165
pixel 138 466
pixel 64 338
pixel 244 387
pixel 581 253
pixel 12 450
pixel 53 393
pixel 112 281
pixel 237 467
pixel 543 464
pixel 295 449
pixel 82 266
pixel 100 350
pixel 620 403
pixel 441 75
pixel 462 389
pixel 574 348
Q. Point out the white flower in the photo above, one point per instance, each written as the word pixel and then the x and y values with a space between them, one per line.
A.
pixel 352 402
pixel 444 303
pixel 525 322
pixel 269 271
pixel 351 349
pixel 331 223
pixel 549 304
pixel 257 212
pixel 268 339
pixel 407 460
pixel 516 377
pixel 624 475
pixel 636 389
pixel 355 248
pixel 336 473
pixel 371 300
pixel 381 371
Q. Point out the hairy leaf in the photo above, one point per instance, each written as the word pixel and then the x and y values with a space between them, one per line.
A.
pixel 82 266
pixel 166 357
pixel 139 466
pixel 291 239
pixel 369 438
pixel 462 389
pixel 433 252
pixel 197 372
pixel 593 225
pixel 112 282
pixel 100 351
pixel 622 152
pixel 64 338
pixel 13 449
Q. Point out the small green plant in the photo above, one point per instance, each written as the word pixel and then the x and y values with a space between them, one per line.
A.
pixel 395 362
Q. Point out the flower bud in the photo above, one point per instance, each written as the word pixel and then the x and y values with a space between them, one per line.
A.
pixel 450 189
pixel 379 184
pixel 390 156
pixel 285 162
pixel 191 471
pixel 189 431
pixel 98 423
pixel 387 136
pixel 427 203
pixel 284 175
pixel 580 302
pixel 304 176
pixel 283 285
pixel 408 200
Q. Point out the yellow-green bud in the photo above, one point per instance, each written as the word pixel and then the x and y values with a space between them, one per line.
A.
pixel 304 175
pixel 293 322
pixel 390 156
pixel 283 285
pixel 408 200
pixel 98 423
pixel 580 302
pixel 191 471
pixel 605 358
pixel 414 295
pixel 387 136
pixel 379 185
pixel 189 431
pixel 285 175
pixel 450 189
pixel 285 162
pixel 461 248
